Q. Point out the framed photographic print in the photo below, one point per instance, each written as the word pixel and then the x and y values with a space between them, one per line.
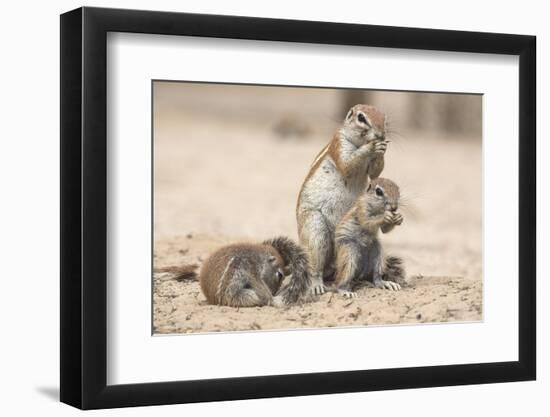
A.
pixel 258 207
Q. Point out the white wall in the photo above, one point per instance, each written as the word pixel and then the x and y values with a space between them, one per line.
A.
pixel 29 97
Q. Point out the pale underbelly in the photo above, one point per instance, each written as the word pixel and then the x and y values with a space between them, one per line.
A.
pixel 327 193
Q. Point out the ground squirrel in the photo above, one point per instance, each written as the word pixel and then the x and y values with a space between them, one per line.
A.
pixel 358 250
pixel 246 275
pixel 337 176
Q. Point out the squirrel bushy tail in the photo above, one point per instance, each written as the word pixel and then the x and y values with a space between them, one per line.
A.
pixel 394 270
pixel 295 258
pixel 179 273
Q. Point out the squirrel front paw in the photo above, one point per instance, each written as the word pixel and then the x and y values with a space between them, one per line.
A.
pixel 397 218
pixel 380 147
pixel 393 218
pixel 388 218
pixel 278 302
pixel 375 147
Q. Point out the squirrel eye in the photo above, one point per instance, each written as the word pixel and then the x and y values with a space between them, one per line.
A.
pixel 361 117
pixel 379 192
pixel 279 275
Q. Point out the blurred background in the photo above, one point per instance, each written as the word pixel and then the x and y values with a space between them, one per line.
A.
pixel 229 161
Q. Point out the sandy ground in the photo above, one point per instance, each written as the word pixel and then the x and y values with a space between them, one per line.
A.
pixel 218 183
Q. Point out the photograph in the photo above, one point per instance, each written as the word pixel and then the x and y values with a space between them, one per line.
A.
pixel 275 209
pixel 300 207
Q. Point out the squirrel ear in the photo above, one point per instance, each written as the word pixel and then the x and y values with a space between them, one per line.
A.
pixel 271 259
pixel 369 187
pixel 287 270
pixel 350 113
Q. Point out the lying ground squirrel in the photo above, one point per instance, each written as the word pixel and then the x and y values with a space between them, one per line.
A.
pixel 247 275
pixel 336 178
pixel 359 254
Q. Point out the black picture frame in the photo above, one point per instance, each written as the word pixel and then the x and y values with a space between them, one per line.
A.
pixel 84 207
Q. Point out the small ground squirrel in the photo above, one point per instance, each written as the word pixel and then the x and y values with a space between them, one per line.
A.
pixel 359 254
pixel 246 275
pixel 336 178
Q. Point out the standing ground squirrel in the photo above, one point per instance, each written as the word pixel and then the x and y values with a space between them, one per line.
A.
pixel 246 275
pixel 359 254
pixel 336 178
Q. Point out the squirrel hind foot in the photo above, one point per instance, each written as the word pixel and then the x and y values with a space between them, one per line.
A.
pixel 387 285
pixel 318 289
pixel 347 294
